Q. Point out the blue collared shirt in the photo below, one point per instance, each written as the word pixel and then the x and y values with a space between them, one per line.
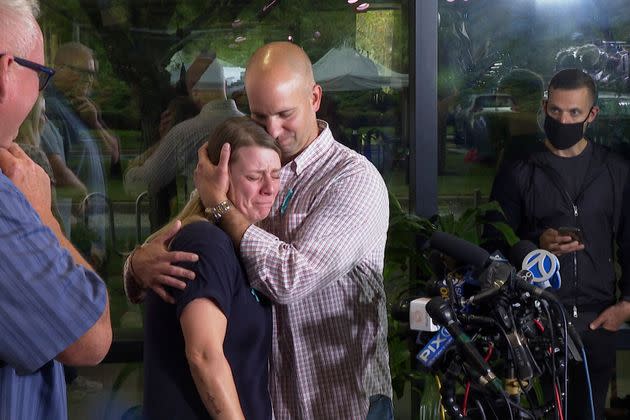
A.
pixel 46 303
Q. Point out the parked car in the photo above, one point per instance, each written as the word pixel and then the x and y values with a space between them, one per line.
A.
pixel 471 126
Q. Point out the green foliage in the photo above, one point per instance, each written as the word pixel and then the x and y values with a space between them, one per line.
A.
pixel 430 403
pixel 377 31
pixel 468 225
pixel 399 355
pixel 401 248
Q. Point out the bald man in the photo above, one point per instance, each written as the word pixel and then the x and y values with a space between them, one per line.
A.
pixel 318 256
pixel 54 307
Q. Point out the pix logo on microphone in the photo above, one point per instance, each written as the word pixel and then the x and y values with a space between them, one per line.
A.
pixel 435 347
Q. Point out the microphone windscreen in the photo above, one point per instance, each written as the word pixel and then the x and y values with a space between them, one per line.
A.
pixel 436 264
pixel 519 251
pixel 439 310
pixel 462 251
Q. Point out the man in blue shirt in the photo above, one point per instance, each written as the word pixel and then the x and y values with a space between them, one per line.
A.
pixel 53 307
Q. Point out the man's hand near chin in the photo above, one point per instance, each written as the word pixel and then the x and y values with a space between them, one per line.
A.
pixel 612 318
pixel 29 178
pixel 212 182
pixel 87 110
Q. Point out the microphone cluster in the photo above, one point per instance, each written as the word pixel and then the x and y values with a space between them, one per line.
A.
pixel 494 327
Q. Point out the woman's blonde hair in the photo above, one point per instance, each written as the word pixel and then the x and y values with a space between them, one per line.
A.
pixel 30 131
pixel 238 132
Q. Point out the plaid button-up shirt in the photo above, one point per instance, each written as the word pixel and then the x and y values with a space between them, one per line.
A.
pixel 319 257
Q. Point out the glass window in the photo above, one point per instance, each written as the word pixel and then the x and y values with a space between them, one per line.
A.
pixel 128 74
pixel 495 61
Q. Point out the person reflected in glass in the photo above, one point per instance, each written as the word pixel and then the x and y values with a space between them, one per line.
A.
pixel 523 134
pixel 217 337
pixel 49 154
pixel 86 138
pixel 165 169
pixel 75 114
pixel 176 152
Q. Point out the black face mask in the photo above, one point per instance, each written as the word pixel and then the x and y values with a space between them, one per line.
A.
pixel 564 136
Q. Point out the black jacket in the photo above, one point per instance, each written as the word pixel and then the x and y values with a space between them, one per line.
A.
pixel 534 200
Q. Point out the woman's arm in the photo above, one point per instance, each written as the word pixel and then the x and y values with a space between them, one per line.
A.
pixel 204 326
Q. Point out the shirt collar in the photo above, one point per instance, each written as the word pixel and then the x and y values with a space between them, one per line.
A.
pixel 314 150
pixel 217 105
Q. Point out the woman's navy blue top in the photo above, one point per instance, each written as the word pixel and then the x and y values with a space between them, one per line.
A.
pixel 169 390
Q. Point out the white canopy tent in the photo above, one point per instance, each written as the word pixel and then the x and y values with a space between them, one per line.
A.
pixel 233 74
pixel 343 69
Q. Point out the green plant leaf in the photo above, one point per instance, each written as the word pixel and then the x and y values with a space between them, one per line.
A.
pixel 506 231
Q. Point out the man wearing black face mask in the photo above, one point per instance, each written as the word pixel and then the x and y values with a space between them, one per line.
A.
pixel 572 182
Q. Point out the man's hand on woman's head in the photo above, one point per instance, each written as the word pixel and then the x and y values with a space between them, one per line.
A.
pixel 153 265
pixel 28 177
pixel 212 182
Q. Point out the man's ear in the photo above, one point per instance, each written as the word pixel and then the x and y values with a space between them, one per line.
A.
pixel 4 77
pixel 593 114
pixel 316 97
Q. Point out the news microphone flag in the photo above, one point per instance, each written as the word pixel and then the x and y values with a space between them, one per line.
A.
pixel 434 349
pixel 545 268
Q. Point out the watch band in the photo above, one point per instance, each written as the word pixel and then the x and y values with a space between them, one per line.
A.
pixel 214 214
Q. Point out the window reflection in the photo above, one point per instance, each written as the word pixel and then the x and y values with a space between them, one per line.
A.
pixel 129 76
pixel 513 48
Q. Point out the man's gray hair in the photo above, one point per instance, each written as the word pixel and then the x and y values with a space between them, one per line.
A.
pixel 18 28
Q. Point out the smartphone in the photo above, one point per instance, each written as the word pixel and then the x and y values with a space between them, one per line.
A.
pixel 574 232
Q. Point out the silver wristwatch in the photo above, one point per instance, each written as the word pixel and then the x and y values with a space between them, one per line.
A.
pixel 214 214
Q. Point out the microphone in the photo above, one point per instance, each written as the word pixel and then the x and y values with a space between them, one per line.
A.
pixel 543 265
pixel 497 271
pixel 494 277
pixel 463 251
pixel 523 281
pixel 436 264
pixel 575 344
pixel 442 314
pixel 520 352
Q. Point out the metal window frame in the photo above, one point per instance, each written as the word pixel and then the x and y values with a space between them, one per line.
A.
pixel 423 73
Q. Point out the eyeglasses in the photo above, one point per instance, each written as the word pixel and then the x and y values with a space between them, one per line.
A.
pixel 43 73
pixel 81 71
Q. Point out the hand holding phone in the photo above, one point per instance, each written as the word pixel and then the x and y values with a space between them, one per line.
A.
pixel 574 232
